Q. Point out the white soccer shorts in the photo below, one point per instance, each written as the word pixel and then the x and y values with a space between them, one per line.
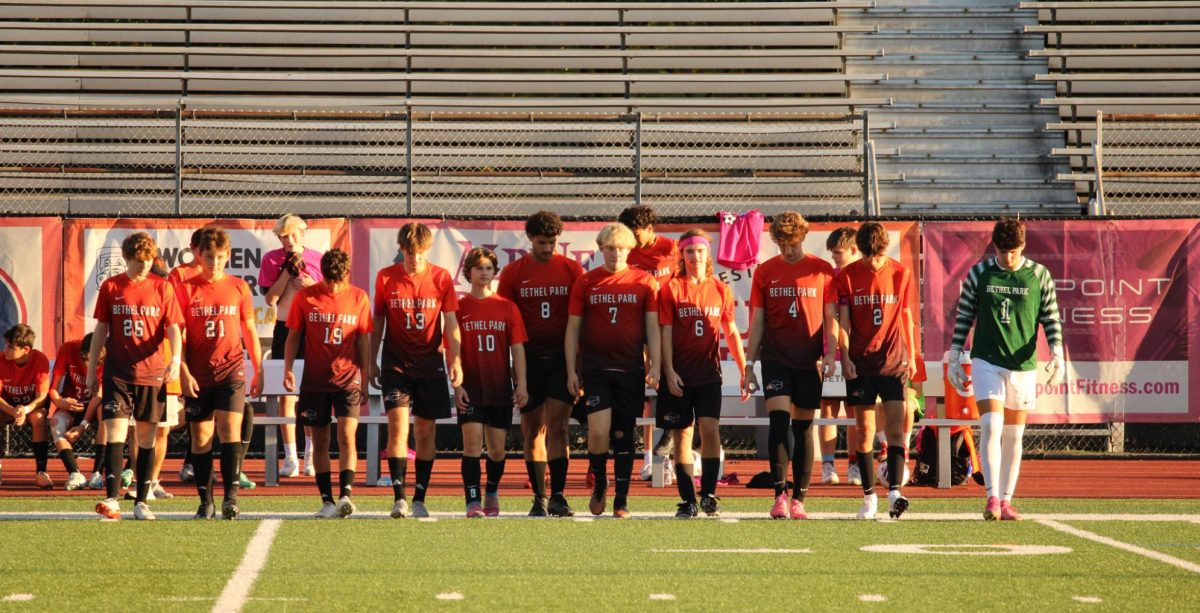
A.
pixel 1017 388
pixel 174 407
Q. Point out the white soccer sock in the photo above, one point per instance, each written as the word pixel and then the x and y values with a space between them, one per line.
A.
pixel 1010 458
pixel 289 451
pixel 308 449
pixel 991 424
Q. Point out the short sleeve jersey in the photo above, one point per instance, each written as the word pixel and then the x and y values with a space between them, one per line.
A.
pixel 660 259
pixel 21 383
pixel 413 305
pixel 213 312
pixel 138 314
pixel 541 293
pixel 696 313
pixel 613 307
pixel 69 369
pixel 489 328
pixel 876 298
pixel 331 323
pixel 793 296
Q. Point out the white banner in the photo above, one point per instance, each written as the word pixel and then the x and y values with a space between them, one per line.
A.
pixel 24 295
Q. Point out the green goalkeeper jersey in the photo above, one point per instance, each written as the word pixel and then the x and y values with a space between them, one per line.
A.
pixel 1006 307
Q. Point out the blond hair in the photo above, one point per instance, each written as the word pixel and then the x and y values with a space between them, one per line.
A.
pixel 616 235
pixel 288 224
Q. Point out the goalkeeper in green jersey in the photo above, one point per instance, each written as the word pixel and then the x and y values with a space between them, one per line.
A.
pixel 1005 298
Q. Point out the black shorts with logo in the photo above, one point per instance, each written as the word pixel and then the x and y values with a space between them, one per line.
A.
pixel 122 400
pixel 623 392
pixel 279 341
pixel 428 398
pixel 318 408
pixel 802 385
pixel 224 396
pixel 492 416
pixel 546 378
pixel 674 413
pixel 866 390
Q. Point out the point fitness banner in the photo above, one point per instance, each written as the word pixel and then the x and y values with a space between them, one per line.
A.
pixel 1129 298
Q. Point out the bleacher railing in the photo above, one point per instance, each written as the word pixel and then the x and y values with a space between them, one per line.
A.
pixel 1142 164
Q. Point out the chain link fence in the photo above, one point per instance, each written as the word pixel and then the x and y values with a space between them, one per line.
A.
pixel 1145 164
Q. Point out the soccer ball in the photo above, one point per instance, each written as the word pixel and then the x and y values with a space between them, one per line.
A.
pixel 881 474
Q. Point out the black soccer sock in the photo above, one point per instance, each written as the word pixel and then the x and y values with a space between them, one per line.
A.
pixel 99 459
pixel 398 467
pixel 231 465
pixel 424 470
pixel 598 464
pixel 112 477
pixel 345 482
pixel 537 477
pixel 128 452
pixel 325 486
pixel 247 433
pixel 202 464
pixel 68 459
pixel 187 456
pixel 895 464
pixel 470 477
pixel 495 470
pixel 558 475
pixel 866 466
pixel 802 458
pixel 41 451
pixel 684 475
pixel 711 471
pixel 145 462
pixel 777 448
pixel 622 471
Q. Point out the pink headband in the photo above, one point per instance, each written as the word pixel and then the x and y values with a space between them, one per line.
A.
pixel 693 240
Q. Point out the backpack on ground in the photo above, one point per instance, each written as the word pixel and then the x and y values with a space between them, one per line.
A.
pixel 964 462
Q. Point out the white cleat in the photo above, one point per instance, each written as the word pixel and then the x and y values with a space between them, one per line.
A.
pixel 142 511
pixel 400 509
pixel 870 507
pixel 854 475
pixel 310 470
pixel 897 504
pixel 328 511
pixel 75 481
pixel 289 469
pixel 96 482
pixel 109 508
pixel 419 510
pixel 828 474
pixel 345 507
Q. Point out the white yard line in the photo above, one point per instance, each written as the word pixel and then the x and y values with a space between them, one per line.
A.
pixel 726 516
pixel 1104 540
pixel 237 590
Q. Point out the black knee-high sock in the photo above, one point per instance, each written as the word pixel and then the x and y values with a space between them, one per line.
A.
pixel 202 464
pixel 398 467
pixel 188 459
pixel 558 475
pixel 710 473
pixel 778 449
pixel 684 481
pixel 424 470
pixel 325 486
pixel 537 477
pixel 895 464
pixel 802 458
pixel 495 470
pixel 231 466
pixel 127 451
pixel 598 464
pixel 99 458
pixel 470 477
pixel 866 466
pixel 112 476
pixel 345 482
pixel 68 459
pixel 41 451
pixel 247 433
pixel 145 462
pixel 622 471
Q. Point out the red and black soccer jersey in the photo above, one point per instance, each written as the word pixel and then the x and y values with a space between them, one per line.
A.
pixel 696 314
pixel 331 323
pixel 21 383
pixel 69 369
pixel 542 293
pixel 613 307
pixel 138 314
pixel 660 259
pixel 489 327
pixel 793 297
pixel 875 299
pixel 213 312
pixel 413 305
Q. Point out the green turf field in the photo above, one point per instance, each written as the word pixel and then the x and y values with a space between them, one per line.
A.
pixel 1131 555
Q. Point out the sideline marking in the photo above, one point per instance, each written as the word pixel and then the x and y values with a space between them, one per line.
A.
pixel 662 596
pixel 1104 540
pixel 237 590
pixel 450 596
pixel 1087 599
pixel 641 516
pixel 18 598
pixel 761 550
pixel 872 597
pixel 969 549
pixel 427 520
pixel 729 520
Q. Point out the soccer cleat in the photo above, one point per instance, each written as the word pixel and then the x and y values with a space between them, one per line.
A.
pixel 559 507
pixel 75 481
pixel 854 475
pixel 1009 512
pixel 229 509
pixel 686 510
pixel 43 481
pixel 539 508
pixel 310 470
pixel 828 474
pixel 796 509
pixel 647 471
pixel 419 510
pixel 598 502
pixel 158 492
pixel 245 483
pixel 289 469
pixel 780 509
pixel 897 504
pixel 474 509
pixel 621 513
pixel 96 482
pixel 328 510
pixel 345 507
pixel 186 473
pixel 991 512
pixel 491 505
pixel 141 511
pixel 384 481
pixel 205 511
pixel 127 477
pixel 711 505
pixel 400 509
pixel 870 507
pixel 109 508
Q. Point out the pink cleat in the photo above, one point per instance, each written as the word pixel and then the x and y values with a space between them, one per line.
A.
pixel 491 505
pixel 992 511
pixel 780 510
pixel 1009 512
pixel 474 509
pixel 797 510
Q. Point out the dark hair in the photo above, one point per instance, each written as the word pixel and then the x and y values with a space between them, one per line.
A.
pixel 335 265
pixel 638 217
pixel 842 237
pixel 139 246
pixel 212 239
pixel 1009 233
pixel 474 257
pixel 872 239
pixel 196 237
pixel 20 335
pixel 543 223
pixel 85 347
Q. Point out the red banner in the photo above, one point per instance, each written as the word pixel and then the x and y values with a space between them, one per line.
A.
pixel 30 277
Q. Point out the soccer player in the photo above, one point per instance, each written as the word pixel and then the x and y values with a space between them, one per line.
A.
pixel 284 272
pixel 1005 298
pixel 333 320
pixel 613 316
pixel 878 357
pixel 492 331
pixel 218 322
pixel 136 313
pixel 24 386
pixel 843 251
pixel 415 305
pixel 694 308
pixel 659 256
pixel 540 285
pixel 791 324
pixel 69 408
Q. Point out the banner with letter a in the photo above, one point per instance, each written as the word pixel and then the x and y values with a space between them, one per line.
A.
pixel 30 282
pixel 1129 297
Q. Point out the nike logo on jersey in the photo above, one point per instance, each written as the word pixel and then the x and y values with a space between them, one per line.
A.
pixel 524 281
